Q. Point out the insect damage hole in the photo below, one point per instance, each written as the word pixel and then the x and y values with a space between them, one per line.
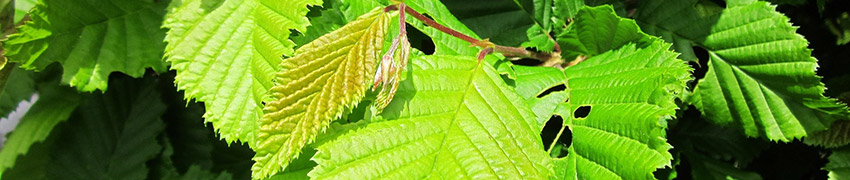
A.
pixel 559 87
pixel 581 112
pixel 556 137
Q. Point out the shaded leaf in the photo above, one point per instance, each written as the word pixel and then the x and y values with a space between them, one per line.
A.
pixel 704 168
pixel 839 164
pixel 19 85
pixel 54 105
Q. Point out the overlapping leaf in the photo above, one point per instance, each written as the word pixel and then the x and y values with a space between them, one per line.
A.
pixel 760 73
pixel 54 105
pixel 18 86
pixel 104 139
pixel 839 164
pixel 480 130
pixel 225 52
pixel 627 88
pixel 324 78
pixel 100 37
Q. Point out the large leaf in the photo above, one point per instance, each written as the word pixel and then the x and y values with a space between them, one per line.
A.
pixel 113 135
pixel 480 130
pixel 760 76
pixel 100 37
pixel 54 105
pixel 324 78
pixel 225 53
pixel 615 104
pixel 110 136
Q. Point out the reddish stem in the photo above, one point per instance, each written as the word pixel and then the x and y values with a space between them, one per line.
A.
pixel 438 26
pixel 547 58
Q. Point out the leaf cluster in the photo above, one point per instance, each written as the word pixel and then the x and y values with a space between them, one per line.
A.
pixel 289 89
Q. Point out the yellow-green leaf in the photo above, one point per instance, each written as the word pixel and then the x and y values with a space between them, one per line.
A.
pixel 323 79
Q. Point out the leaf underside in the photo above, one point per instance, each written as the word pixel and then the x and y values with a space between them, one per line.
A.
pixel 98 39
pixel 323 79
pixel 481 130
pixel 761 75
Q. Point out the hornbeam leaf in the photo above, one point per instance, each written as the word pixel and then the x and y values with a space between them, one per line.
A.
pixel 761 75
pixel 479 129
pixel 836 136
pixel 615 104
pixel 54 105
pixel 91 39
pixel 839 164
pixel 225 53
pixel 323 79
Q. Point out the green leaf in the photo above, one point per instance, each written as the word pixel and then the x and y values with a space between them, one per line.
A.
pixel 100 38
pixel 54 105
pixel 225 53
pixel 481 130
pixel 760 76
pixel 837 135
pixel 22 7
pixel 110 136
pixel 588 37
pixel 323 79
pixel 839 164
pixel 19 85
pixel 502 22
pixel 539 39
pixel 627 88
pixel 109 139
pixel 727 144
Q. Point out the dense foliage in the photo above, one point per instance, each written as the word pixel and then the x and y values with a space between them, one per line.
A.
pixel 416 89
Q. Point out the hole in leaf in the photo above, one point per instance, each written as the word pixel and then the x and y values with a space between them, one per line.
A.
pixel 559 87
pixel 508 80
pixel 420 41
pixel 550 132
pixel 527 62
pixel 721 3
pixel 581 112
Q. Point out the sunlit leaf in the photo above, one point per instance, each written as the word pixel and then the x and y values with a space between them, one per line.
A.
pixel 323 79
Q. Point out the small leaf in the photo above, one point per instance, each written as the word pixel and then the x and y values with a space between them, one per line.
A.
pixel 323 79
